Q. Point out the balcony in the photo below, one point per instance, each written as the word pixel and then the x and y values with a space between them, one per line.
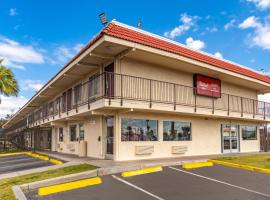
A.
pixel 127 91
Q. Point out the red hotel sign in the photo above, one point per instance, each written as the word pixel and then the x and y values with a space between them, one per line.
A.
pixel 207 86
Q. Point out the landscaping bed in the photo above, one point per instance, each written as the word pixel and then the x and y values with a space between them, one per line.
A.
pixel 258 160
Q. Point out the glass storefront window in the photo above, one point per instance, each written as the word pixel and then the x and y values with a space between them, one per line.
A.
pixel 60 135
pixel 72 132
pixel 81 132
pixel 249 132
pixel 139 130
pixel 176 131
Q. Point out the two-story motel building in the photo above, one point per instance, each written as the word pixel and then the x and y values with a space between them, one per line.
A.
pixel 130 94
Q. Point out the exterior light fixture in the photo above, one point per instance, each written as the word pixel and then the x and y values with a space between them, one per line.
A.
pixel 139 24
pixel 103 18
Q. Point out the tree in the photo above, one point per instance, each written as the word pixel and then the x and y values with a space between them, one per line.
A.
pixel 8 83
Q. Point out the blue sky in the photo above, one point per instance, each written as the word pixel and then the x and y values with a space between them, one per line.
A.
pixel 38 37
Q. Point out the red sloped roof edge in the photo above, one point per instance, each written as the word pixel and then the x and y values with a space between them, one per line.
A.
pixel 122 32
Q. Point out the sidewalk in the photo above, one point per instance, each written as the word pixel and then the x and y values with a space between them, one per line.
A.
pixel 105 163
pixel 111 167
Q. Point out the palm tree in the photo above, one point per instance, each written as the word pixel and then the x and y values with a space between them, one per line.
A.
pixel 8 83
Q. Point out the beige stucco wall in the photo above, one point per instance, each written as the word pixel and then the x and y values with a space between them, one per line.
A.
pixel 92 130
pixel 146 70
pixel 206 138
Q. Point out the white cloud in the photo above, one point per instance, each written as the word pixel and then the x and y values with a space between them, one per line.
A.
pixel 218 55
pixel 187 22
pixel 35 85
pixel 9 105
pixel 211 30
pixel 261 4
pixel 195 44
pixel 63 53
pixel 261 35
pixel 250 22
pixel 230 24
pixel 16 54
pixel 265 97
pixel 13 12
pixel 78 47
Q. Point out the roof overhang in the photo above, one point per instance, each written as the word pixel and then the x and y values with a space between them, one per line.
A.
pixel 106 46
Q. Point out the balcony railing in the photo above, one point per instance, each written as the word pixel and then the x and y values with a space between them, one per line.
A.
pixel 125 88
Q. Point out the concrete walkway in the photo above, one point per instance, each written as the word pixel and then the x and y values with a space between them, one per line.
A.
pixel 104 163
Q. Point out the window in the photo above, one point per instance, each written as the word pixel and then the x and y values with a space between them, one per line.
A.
pixel 249 132
pixel 139 130
pixel 72 132
pixel 64 101
pixel 94 85
pixel 60 135
pixel 176 131
pixel 81 132
pixel 78 94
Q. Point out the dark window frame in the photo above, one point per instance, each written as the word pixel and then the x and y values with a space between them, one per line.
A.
pixel 72 138
pixel 138 136
pixel 190 130
pixel 249 138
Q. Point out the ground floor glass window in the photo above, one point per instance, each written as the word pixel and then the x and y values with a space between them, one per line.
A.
pixel 139 130
pixel 81 132
pixel 60 135
pixel 72 133
pixel 176 131
pixel 249 132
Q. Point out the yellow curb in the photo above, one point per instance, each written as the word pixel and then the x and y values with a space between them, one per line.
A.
pixel 242 166
pixel 56 162
pixel 42 153
pixel 141 171
pixel 12 154
pixel 68 186
pixel 197 165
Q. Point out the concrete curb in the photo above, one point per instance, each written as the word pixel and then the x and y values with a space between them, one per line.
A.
pixel 92 173
pixel 19 195
pixel 36 170
pixel 60 180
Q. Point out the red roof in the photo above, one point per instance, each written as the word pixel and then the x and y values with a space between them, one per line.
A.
pixel 129 34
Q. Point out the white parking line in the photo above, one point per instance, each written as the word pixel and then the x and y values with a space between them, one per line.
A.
pixel 136 187
pixel 221 182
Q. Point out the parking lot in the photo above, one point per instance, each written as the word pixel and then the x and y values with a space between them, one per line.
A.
pixel 211 183
pixel 16 163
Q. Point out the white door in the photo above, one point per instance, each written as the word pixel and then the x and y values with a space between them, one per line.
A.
pixel 230 138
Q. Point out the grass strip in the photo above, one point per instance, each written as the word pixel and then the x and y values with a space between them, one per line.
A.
pixel 6 184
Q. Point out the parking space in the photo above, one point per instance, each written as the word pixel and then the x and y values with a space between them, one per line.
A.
pixel 211 183
pixel 16 163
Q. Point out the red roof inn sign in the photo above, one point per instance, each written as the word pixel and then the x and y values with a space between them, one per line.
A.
pixel 207 86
